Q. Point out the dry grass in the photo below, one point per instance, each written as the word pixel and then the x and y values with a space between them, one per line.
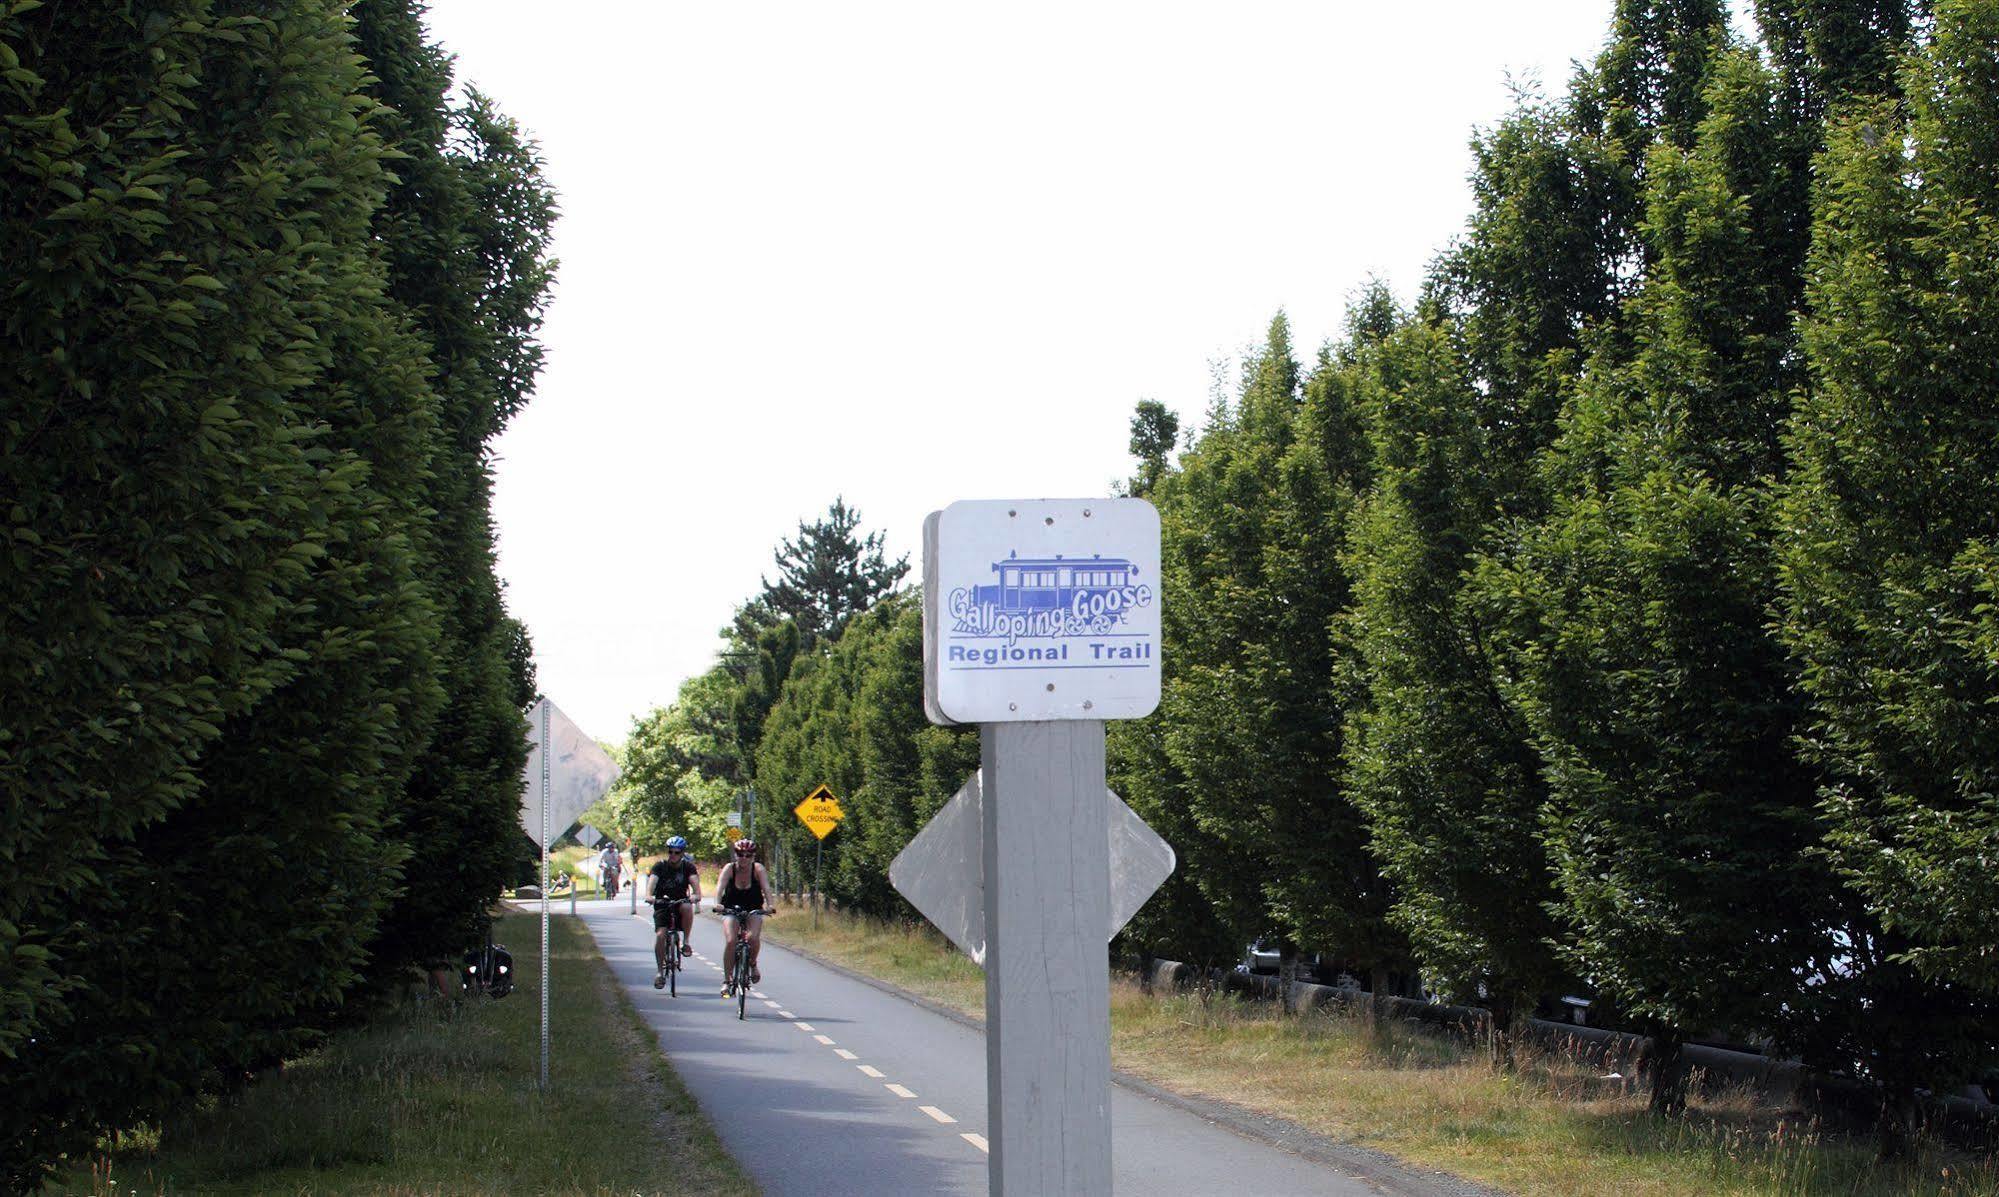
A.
pixel 1552 1127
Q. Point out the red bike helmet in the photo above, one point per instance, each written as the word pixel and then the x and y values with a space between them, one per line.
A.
pixel 746 846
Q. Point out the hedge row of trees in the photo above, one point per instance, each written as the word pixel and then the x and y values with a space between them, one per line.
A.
pixel 269 293
pixel 1622 615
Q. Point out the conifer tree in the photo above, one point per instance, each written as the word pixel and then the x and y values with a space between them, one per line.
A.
pixel 828 575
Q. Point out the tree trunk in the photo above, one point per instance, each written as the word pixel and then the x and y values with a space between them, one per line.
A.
pixel 1499 1036
pixel 1666 1057
pixel 1896 1126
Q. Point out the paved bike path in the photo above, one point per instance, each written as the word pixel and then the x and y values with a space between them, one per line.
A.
pixel 832 1086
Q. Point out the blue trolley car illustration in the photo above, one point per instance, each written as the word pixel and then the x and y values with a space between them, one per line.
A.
pixel 1028 585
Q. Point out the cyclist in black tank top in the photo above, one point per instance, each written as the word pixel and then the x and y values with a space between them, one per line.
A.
pixel 741 893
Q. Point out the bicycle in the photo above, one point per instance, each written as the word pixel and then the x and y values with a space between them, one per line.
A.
pixel 675 944
pixel 488 969
pixel 739 961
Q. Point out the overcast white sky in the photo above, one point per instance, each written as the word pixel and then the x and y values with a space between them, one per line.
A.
pixel 913 253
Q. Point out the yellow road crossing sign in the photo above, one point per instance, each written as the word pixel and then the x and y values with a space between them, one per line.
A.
pixel 820 812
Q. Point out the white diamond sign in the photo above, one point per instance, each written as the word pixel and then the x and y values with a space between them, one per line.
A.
pixel 579 773
pixel 942 870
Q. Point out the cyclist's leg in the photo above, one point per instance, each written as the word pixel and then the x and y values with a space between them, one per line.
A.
pixel 686 916
pixel 659 945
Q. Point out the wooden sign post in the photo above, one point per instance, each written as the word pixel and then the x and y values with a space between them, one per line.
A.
pixel 1040 622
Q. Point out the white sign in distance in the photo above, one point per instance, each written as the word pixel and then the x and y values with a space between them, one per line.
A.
pixel 579 773
pixel 942 869
pixel 1041 609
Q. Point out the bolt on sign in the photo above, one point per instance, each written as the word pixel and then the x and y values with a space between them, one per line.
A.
pixel 820 812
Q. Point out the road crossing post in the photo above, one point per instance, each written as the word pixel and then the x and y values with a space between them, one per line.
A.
pixel 821 813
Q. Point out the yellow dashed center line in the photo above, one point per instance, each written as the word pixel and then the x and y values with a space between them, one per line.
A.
pixel 844 1054
pixel 803 1026
pixel 898 1090
pixel 871 1070
pixel 771 1004
pixel 786 1014
pixel 936 1113
pixel 978 1141
pixel 827 1040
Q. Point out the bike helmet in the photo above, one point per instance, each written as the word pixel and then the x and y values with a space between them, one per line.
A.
pixel 677 844
pixel 746 846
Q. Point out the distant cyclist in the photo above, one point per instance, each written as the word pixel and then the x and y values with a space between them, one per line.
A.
pixel 609 866
pixel 670 881
pixel 742 895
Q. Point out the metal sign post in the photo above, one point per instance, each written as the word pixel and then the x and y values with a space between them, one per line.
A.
pixel 1040 621
pixel 545 705
pixel 566 772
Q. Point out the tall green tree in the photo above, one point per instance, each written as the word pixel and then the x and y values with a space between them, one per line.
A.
pixel 214 627
pixel 1437 758
pixel 852 719
pixel 680 768
pixel 1155 430
pixel 1250 716
pixel 464 236
pixel 1891 555
pixel 1473 396
pixel 1679 818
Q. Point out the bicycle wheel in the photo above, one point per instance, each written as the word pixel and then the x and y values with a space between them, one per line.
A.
pixel 673 964
pixel 742 980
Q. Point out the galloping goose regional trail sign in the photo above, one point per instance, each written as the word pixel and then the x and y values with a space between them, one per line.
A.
pixel 1040 621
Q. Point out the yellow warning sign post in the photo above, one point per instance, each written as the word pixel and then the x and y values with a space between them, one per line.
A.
pixel 821 813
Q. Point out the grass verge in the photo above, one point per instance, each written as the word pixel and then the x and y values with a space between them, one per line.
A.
pixel 437 1098
pixel 1551 1128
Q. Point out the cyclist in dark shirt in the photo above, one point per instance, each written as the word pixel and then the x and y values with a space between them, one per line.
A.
pixel 668 881
pixel 744 888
